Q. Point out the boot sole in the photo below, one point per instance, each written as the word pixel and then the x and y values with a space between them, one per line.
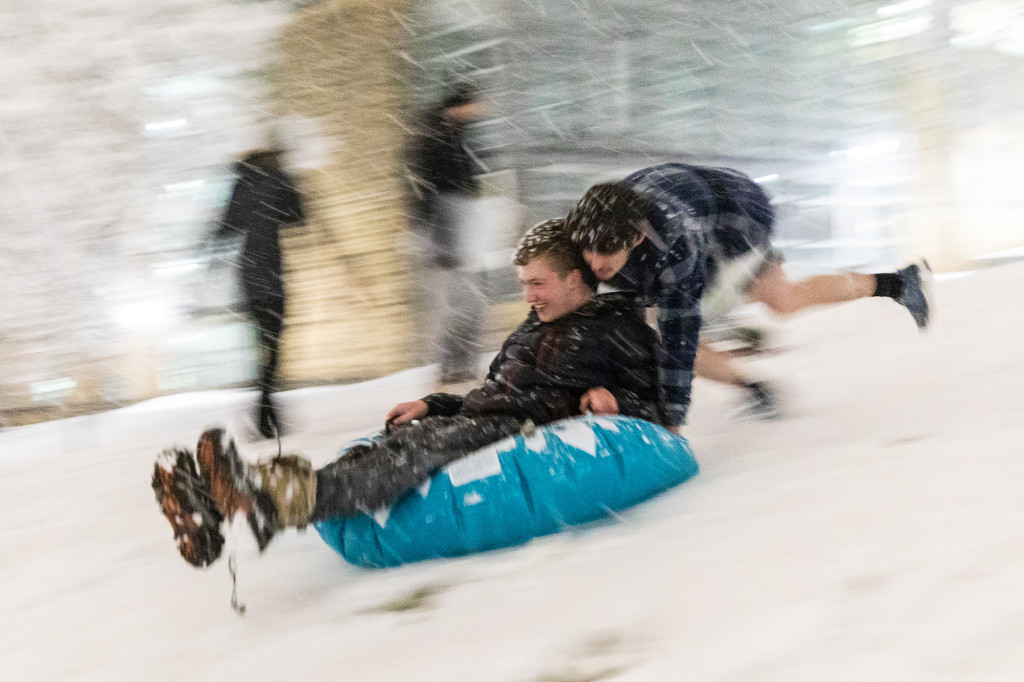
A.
pixel 182 497
pixel 224 472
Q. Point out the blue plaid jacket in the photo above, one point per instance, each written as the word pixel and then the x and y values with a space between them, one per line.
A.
pixel 701 216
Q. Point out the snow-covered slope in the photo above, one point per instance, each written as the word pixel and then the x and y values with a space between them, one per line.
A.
pixel 877 533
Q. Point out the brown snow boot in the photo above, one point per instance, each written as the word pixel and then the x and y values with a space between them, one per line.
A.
pixel 273 495
pixel 184 499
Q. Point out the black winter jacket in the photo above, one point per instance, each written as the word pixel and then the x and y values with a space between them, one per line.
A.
pixel 262 201
pixel 439 164
pixel 439 160
pixel 544 368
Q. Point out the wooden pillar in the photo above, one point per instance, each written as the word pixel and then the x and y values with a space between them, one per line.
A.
pixel 346 277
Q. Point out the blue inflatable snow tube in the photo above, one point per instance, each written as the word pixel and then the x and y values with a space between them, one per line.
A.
pixel 569 472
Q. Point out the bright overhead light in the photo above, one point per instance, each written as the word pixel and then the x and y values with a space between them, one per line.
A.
pixel 166 125
pixel 902 7
pixel 178 267
pixel 144 316
pixel 180 339
pixel 52 388
pixel 184 186
pixel 867 151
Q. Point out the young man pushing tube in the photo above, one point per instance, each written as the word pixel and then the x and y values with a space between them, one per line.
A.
pixel 669 233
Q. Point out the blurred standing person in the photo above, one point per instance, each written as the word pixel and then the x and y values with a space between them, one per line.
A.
pixel 264 200
pixel 442 172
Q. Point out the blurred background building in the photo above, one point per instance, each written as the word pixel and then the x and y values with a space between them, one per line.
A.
pixel 880 129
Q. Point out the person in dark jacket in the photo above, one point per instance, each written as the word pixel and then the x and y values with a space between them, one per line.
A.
pixel 441 167
pixel 575 353
pixel 264 199
pixel 667 233
pixel 442 173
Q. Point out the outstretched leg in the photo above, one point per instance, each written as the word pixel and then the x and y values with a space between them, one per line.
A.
pixel 716 366
pixel 762 397
pixel 772 288
pixel 374 476
pixel 286 492
pixel 910 287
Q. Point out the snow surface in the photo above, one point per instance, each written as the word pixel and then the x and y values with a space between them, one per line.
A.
pixel 877 533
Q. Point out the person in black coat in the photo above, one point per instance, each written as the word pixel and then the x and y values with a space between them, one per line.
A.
pixel 575 353
pixel 442 173
pixel 264 199
pixel 440 167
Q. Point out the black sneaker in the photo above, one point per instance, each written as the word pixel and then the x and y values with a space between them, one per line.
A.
pixel 184 499
pixel 762 402
pixel 917 292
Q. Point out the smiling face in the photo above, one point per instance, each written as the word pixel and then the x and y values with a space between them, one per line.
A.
pixel 550 294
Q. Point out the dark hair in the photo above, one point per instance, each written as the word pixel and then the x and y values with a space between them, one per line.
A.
pixel 461 94
pixel 606 219
pixel 549 239
pixel 267 159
